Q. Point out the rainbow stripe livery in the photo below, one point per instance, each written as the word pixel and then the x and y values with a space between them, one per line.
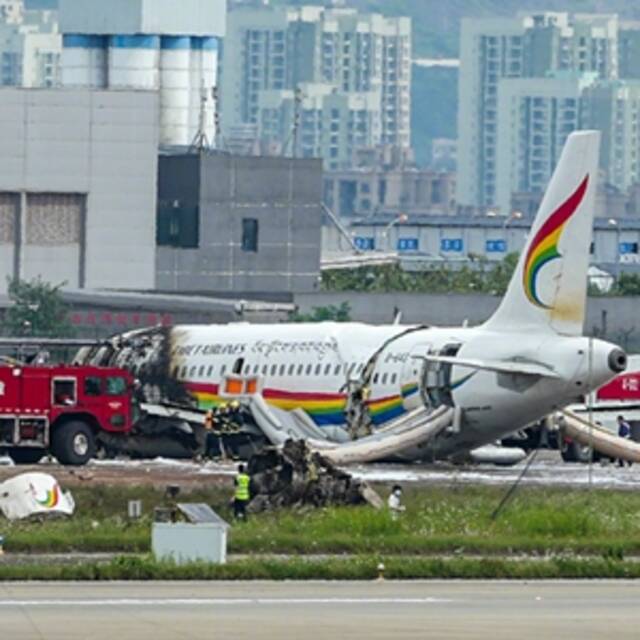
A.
pixel 544 247
pixel 324 408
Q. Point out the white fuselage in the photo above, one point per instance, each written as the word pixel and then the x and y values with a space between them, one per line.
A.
pixel 310 366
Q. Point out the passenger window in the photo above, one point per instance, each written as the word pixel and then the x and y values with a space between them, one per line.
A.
pixel 292 369
pixel 375 378
pixel 184 373
pixel 274 369
pixel 192 373
pixel 384 378
pixel 327 370
pixel 201 372
pixel 176 372
pixel 309 369
pixel 256 369
pixel 210 371
pixel 92 386
pixel 337 369
pixel 318 369
pixel 282 370
pixel 247 369
pixel 116 386
pixel 394 378
pixel 223 369
pixel 265 368
pixel 300 369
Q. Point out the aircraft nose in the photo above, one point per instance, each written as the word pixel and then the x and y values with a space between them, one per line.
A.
pixel 617 360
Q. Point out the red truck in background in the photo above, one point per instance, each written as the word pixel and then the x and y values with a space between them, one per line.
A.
pixel 62 410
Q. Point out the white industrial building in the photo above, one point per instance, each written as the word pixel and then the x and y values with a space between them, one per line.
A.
pixel 78 176
pixel 156 45
pixel 428 241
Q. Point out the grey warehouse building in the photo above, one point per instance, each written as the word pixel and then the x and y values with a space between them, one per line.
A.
pixel 78 171
pixel 238 225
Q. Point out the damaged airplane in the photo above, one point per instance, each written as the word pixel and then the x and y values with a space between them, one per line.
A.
pixel 360 392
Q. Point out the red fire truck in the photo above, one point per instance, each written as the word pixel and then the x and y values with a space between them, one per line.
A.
pixel 62 409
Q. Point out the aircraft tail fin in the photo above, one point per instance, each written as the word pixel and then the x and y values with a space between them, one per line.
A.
pixel 549 286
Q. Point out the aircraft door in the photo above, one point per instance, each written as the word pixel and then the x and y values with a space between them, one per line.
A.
pixel 437 384
pixel 412 387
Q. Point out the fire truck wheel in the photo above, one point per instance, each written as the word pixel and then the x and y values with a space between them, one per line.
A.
pixel 26 456
pixel 74 443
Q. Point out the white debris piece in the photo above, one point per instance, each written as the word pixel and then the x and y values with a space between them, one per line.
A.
pixel 31 494
pixel 6 461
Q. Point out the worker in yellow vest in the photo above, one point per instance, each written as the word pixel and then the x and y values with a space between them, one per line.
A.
pixel 242 495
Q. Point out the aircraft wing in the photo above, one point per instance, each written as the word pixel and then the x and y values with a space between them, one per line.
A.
pixel 498 366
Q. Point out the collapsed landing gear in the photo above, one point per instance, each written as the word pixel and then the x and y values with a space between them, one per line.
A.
pixel 574 452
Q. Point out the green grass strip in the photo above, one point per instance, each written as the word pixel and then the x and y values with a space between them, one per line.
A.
pixel 348 568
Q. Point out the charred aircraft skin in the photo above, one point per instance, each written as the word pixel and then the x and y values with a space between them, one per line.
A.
pixel 148 355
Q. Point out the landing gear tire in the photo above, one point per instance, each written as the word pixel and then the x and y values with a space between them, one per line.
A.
pixel 74 443
pixel 574 452
pixel 26 456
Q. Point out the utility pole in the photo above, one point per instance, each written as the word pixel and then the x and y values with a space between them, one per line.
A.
pixel 297 101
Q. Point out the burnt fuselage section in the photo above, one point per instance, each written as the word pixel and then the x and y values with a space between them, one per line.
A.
pixel 147 355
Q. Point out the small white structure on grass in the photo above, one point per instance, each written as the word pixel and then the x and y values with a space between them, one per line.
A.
pixel 201 538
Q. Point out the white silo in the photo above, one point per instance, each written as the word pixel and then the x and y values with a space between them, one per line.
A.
pixel 195 87
pixel 134 62
pixel 84 61
pixel 175 65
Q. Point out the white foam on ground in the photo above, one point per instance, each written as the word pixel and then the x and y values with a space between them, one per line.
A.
pixel 206 468
pixel 547 473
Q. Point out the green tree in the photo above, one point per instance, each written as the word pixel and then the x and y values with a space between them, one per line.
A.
pixel 478 278
pixel 36 309
pixel 332 312
pixel 628 284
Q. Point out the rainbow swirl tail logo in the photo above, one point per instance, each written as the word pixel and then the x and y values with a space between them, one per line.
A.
pixel 544 247
pixel 51 499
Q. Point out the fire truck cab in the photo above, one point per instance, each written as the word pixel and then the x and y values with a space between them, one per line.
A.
pixel 62 410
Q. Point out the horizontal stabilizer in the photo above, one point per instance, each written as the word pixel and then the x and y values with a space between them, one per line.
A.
pixel 498 366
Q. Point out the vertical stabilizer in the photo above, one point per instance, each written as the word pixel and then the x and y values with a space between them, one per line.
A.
pixel 548 289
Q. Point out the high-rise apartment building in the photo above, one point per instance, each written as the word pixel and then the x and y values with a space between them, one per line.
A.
pixel 614 108
pixel 330 124
pixel 536 115
pixel 629 50
pixel 529 46
pixel 284 67
pixel 30 46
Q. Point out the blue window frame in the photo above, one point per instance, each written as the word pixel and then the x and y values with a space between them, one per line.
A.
pixel 365 243
pixel 408 244
pixel 628 247
pixel 496 246
pixel 451 244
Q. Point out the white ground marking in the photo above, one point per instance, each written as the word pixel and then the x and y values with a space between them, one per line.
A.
pixel 154 602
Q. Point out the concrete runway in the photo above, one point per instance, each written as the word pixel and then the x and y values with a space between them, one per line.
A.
pixel 239 610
